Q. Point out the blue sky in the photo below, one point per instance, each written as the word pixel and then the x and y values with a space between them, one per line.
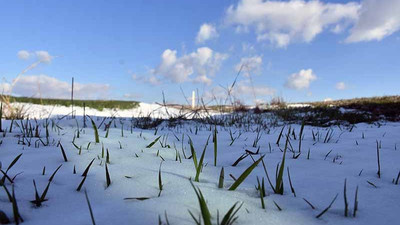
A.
pixel 299 50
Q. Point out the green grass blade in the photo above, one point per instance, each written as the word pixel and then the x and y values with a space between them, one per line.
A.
pixel 244 175
pixel 152 143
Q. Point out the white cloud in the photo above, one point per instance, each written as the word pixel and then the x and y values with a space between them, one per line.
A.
pixel 23 54
pixel 204 62
pixel 206 32
pixel 341 86
pixel 249 65
pixel 150 79
pixel 378 19
pixel 259 90
pixel 203 79
pixel 50 87
pixel 243 90
pixel 284 22
pixel 44 56
pixel 300 80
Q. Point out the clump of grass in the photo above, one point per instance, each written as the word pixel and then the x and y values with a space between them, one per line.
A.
pixel 39 200
pixel 229 218
pixel 15 160
pixel 261 190
pixel 279 187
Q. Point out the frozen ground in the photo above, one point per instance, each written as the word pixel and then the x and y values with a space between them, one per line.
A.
pixel 134 172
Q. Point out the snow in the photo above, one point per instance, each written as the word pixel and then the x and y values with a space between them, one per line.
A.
pixel 316 179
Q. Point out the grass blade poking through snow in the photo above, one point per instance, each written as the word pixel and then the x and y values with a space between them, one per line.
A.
pixel 355 203
pixel 160 185
pixel 279 178
pixel 221 178
pixel 90 208
pixel 346 204
pixel 13 162
pixel 205 213
pixel 327 208
pixel 63 152
pixel 280 135
pixel 378 158
pixel 81 184
pixel 84 174
pixel 244 175
pixel 301 135
pixel 108 179
pixel 193 152
pixel 152 143
pixel 54 173
pixel 17 216
pixel 200 164
pixel 215 146
pixel 290 182
pixel 230 217
pixel 96 132
pixel 2 181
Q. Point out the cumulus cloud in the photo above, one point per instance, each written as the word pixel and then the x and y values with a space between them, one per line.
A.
pixel 249 65
pixel 150 79
pixel 258 90
pixel 206 32
pixel 203 79
pixel 243 90
pixel 378 19
pixel 50 87
pixel 284 22
pixel 203 63
pixel 44 56
pixel 23 54
pixel 300 80
pixel 341 86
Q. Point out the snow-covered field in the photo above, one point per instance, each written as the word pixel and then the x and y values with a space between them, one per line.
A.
pixel 317 174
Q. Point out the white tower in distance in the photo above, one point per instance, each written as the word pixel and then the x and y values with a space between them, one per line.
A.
pixel 193 99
